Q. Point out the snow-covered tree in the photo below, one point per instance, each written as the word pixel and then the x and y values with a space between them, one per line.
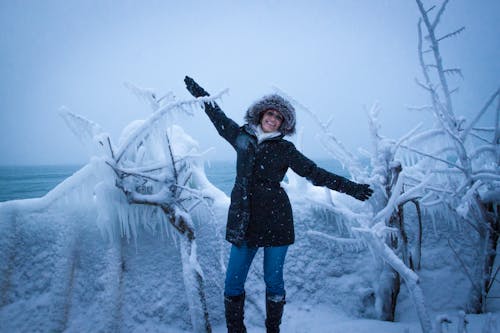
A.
pixel 455 164
pixel 154 182
pixel 379 223
pixel 464 157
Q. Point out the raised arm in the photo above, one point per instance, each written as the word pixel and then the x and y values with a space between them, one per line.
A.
pixel 320 177
pixel 226 127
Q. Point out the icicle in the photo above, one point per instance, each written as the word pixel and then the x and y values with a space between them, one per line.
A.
pixel 490 326
pixel 461 322
pixel 433 219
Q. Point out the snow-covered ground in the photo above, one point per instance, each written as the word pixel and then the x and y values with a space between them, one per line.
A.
pixel 60 273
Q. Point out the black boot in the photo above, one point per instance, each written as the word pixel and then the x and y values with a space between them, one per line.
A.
pixel 234 313
pixel 274 311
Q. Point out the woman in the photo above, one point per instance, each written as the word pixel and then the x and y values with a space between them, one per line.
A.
pixel 260 214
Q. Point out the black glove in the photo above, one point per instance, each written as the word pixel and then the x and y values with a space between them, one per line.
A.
pixel 194 88
pixel 360 191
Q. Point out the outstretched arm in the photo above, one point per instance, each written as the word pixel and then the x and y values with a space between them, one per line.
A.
pixel 320 177
pixel 226 127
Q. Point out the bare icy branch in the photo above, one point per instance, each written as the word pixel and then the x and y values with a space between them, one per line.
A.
pixel 481 112
pixel 445 171
pixel 160 178
pixel 433 157
pixel 384 214
pixel 477 136
pixel 454 71
pixel 430 9
pixel 439 14
pixel 333 145
pixel 464 267
pixel 415 192
pixel 144 94
pixel 409 135
pixel 160 114
pixel 337 210
pixel 491 149
pixel 428 135
pixel 425 87
pixel 419 108
pixel 497 124
pixel 110 147
pixel 496 140
pixel 451 34
pixel 484 129
pixel 449 116
pixel 486 176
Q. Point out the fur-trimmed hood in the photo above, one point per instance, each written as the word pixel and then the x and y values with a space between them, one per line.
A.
pixel 274 102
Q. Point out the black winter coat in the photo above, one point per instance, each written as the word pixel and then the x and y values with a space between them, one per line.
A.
pixel 260 213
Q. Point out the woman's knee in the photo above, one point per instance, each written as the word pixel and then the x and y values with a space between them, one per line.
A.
pixel 274 260
pixel 234 286
pixel 275 288
pixel 275 283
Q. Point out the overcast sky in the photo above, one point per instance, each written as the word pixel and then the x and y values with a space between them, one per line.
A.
pixel 334 56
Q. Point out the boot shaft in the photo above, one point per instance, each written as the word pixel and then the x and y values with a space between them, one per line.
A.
pixel 274 312
pixel 234 311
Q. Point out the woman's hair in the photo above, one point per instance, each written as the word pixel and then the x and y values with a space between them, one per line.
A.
pixel 274 102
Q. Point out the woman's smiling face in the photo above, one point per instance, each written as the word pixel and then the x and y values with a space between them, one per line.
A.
pixel 271 121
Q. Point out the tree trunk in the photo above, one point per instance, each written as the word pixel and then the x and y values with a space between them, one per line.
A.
pixel 411 279
pixel 389 282
pixel 388 291
pixel 492 210
pixel 416 254
pixel 488 228
pixel 193 282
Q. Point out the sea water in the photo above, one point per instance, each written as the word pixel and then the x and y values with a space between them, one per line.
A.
pixel 23 182
pixel 32 181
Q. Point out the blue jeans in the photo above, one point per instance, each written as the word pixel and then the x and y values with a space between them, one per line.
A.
pixel 240 260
